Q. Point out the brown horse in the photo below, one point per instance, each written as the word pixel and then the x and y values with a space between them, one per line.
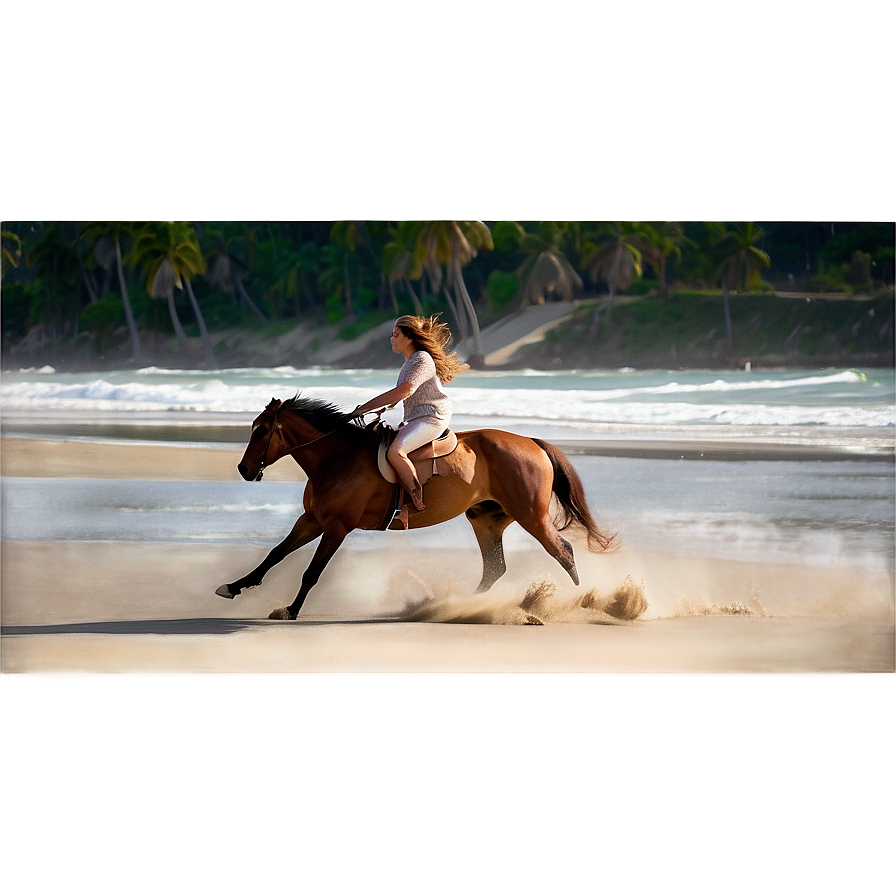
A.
pixel 493 477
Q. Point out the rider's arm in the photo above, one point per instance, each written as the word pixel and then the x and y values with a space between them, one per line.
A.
pixel 390 398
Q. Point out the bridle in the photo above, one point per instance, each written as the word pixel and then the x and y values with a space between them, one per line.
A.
pixel 264 456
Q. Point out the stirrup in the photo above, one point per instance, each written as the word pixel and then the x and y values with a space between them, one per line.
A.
pixel 407 508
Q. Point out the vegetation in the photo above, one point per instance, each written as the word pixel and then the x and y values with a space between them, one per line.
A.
pixel 67 281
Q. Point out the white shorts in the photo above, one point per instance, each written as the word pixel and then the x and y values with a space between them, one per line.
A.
pixel 418 433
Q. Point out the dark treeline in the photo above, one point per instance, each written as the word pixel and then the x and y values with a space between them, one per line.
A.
pixel 62 279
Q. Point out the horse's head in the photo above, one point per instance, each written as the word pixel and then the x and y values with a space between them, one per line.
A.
pixel 265 446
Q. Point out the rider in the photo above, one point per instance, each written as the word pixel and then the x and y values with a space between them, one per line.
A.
pixel 427 409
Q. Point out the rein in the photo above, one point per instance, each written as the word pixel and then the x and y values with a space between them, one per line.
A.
pixel 289 450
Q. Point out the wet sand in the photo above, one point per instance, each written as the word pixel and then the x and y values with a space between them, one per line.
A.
pixel 160 739
pixel 121 460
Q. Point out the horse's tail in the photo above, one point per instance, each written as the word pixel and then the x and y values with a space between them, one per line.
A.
pixel 570 494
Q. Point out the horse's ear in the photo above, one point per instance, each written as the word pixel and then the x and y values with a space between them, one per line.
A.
pixel 274 405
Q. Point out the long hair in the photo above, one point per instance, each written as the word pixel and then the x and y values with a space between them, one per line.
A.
pixel 430 335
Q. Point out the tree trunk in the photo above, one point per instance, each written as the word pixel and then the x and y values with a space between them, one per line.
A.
pixel 477 359
pixel 728 334
pixel 348 290
pixel 91 287
pixel 175 322
pixel 248 300
pixel 392 296
pixel 595 321
pixel 126 301
pixel 459 320
pixel 211 360
pixel 418 308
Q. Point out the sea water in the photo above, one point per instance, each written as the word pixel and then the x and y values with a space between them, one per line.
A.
pixel 589 403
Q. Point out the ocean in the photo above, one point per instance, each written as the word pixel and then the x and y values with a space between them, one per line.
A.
pixel 574 403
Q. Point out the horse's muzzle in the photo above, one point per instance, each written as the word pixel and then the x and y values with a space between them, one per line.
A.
pixel 243 470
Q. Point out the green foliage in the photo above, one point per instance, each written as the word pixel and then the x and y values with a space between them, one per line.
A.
pixel 641 286
pixel 501 287
pixel 833 280
pixel 507 235
pixel 106 313
pixel 349 271
pixel 366 299
pixel 10 250
pixel 17 300
pixel 334 308
pixel 859 272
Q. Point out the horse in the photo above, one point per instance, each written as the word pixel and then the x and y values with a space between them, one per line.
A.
pixel 492 476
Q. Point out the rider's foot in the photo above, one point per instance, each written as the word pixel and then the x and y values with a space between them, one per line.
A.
pixel 417 500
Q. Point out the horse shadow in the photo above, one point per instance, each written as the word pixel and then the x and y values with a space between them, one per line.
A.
pixel 196 626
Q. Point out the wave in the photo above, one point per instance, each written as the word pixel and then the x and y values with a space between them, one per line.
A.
pixel 837 398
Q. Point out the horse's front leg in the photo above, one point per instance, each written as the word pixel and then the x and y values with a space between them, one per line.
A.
pixel 306 529
pixel 328 546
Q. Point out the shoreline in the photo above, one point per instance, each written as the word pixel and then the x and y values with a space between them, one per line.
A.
pixel 23 456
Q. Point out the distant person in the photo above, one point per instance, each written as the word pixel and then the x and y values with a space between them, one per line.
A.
pixel 427 409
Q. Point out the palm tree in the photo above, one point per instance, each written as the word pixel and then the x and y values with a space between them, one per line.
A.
pixel 346 237
pixel 450 246
pixel 169 253
pixel 298 276
pixel 54 303
pixel 399 263
pixel 106 238
pixel 547 270
pixel 614 253
pixel 226 272
pixel 739 264
pixel 664 239
pixel 10 251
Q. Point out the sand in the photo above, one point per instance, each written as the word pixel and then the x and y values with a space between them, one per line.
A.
pixel 107 460
pixel 145 607
pixel 598 776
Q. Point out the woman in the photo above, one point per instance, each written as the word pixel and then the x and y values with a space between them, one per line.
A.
pixel 427 409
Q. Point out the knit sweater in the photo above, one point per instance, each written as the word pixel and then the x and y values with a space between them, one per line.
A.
pixel 427 399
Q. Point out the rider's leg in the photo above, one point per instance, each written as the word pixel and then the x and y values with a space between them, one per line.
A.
pixel 406 472
pixel 413 434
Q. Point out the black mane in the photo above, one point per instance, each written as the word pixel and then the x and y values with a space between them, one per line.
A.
pixel 325 416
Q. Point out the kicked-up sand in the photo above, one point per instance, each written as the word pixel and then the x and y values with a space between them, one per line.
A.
pixel 404 736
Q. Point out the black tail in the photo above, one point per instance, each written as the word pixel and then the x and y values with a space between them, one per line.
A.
pixel 571 494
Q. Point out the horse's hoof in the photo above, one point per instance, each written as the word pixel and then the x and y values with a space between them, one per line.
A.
pixel 224 591
pixel 282 613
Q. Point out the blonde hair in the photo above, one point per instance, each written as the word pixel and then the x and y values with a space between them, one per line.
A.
pixel 430 335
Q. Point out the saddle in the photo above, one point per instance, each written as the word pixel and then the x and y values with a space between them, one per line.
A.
pixel 425 460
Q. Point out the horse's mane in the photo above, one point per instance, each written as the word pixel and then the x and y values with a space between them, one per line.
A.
pixel 326 417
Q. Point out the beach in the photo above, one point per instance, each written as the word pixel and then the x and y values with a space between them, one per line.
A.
pixel 686 753
pixel 96 606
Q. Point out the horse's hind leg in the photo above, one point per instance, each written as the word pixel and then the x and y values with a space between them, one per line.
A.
pixel 489 521
pixel 544 530
pixel 306 529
